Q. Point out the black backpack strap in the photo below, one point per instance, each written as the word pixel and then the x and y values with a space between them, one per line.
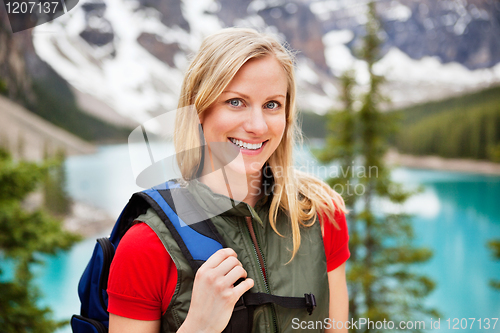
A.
pixel 136 206
pixel 307 302
pixel 242 317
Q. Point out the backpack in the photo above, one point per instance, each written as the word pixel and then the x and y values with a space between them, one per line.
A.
pixel 197 240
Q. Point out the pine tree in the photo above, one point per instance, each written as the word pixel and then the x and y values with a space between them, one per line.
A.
pixel 23 234
pixel 494 246
pixel 341 124
pixel 383 284
pixel 342 146
pixel 55 198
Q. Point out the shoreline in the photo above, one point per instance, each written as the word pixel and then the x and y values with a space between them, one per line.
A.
pixel 87 220
pixel 395 159
pixel 29 136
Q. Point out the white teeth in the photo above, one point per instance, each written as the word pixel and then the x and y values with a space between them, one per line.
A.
pixel 251 146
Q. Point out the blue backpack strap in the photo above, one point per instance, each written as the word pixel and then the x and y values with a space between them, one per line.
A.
pixel 193 231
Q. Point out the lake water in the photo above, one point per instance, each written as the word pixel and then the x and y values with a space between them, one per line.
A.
pixel 455 216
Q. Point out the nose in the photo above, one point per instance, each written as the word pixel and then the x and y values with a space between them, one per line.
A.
pixel 256 122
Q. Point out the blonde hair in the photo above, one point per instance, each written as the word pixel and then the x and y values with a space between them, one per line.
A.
pixel 221 55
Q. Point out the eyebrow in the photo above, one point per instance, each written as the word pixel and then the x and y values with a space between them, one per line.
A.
pixel 247 97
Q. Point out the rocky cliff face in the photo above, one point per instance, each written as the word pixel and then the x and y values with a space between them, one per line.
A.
pixel 170 10
pixel 301 29
pixel 131 55
pixel 19 62
pixel 14 79
pixel 98 30
pixel 466 32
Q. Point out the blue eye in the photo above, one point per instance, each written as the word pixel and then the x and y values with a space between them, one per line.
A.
pixel 272 105
pixel 234 102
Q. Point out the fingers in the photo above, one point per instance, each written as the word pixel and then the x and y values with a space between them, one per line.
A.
pixel 219 265
pixel 239 273
pixel 243 287
pixel 227 265
pixel 222 262
pixel 218 257
pixel 235 274
pixel 223 266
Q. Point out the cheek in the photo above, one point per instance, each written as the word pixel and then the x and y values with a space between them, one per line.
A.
pixel 279 127
pixel 215 124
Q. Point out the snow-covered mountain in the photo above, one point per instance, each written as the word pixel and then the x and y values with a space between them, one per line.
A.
pixel 131 54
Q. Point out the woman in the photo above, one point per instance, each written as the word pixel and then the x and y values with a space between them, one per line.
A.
pixel 241 84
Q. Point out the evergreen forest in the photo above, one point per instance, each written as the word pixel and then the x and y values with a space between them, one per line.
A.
pixel 466 126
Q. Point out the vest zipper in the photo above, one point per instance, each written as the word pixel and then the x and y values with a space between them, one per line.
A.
pixel 261 261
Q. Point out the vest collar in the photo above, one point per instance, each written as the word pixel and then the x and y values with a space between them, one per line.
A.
pixel 213 202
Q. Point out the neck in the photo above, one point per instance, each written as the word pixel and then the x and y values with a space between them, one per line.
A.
pixel 237 186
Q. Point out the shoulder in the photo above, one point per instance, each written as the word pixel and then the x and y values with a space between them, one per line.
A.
pixel 334 229
pixel 335 239
pixel 138 259
pixel 139 242
pixel 140 247
pixel 320 195
pixel 142 276
pixel 338 222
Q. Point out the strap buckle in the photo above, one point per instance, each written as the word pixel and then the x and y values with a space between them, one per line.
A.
pixel 310 303
pixel 240 305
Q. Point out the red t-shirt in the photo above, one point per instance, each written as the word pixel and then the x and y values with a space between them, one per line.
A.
pixel 143 277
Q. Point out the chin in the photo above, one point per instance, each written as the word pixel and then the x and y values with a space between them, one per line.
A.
pixel 252 168
pixel 246 169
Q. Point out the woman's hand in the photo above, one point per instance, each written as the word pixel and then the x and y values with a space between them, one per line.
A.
pixel 214 294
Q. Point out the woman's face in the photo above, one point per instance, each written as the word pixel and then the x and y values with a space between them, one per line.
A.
pixel 249 115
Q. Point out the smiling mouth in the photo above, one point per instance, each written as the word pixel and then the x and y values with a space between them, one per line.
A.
pixel 245 145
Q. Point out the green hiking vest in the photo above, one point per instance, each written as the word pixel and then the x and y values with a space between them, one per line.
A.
pixel 306 273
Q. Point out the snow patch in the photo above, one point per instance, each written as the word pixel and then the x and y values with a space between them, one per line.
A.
pixel 320 7
pixel 398 12
pixel 353 9
pixel 338 37
pixel 340 59
pixel 256 6
pixel 134 82
pixel 255 22
pixel 314 102
pixel 202 24
pixel 338 56
pixel 398 66
pixel 305 72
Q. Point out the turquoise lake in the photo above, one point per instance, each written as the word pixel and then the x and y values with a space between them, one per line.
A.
pixel 455 216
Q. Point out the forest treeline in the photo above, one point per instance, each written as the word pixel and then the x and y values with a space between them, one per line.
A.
pixel 462 127
pixel 467 126
pixel 54 101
